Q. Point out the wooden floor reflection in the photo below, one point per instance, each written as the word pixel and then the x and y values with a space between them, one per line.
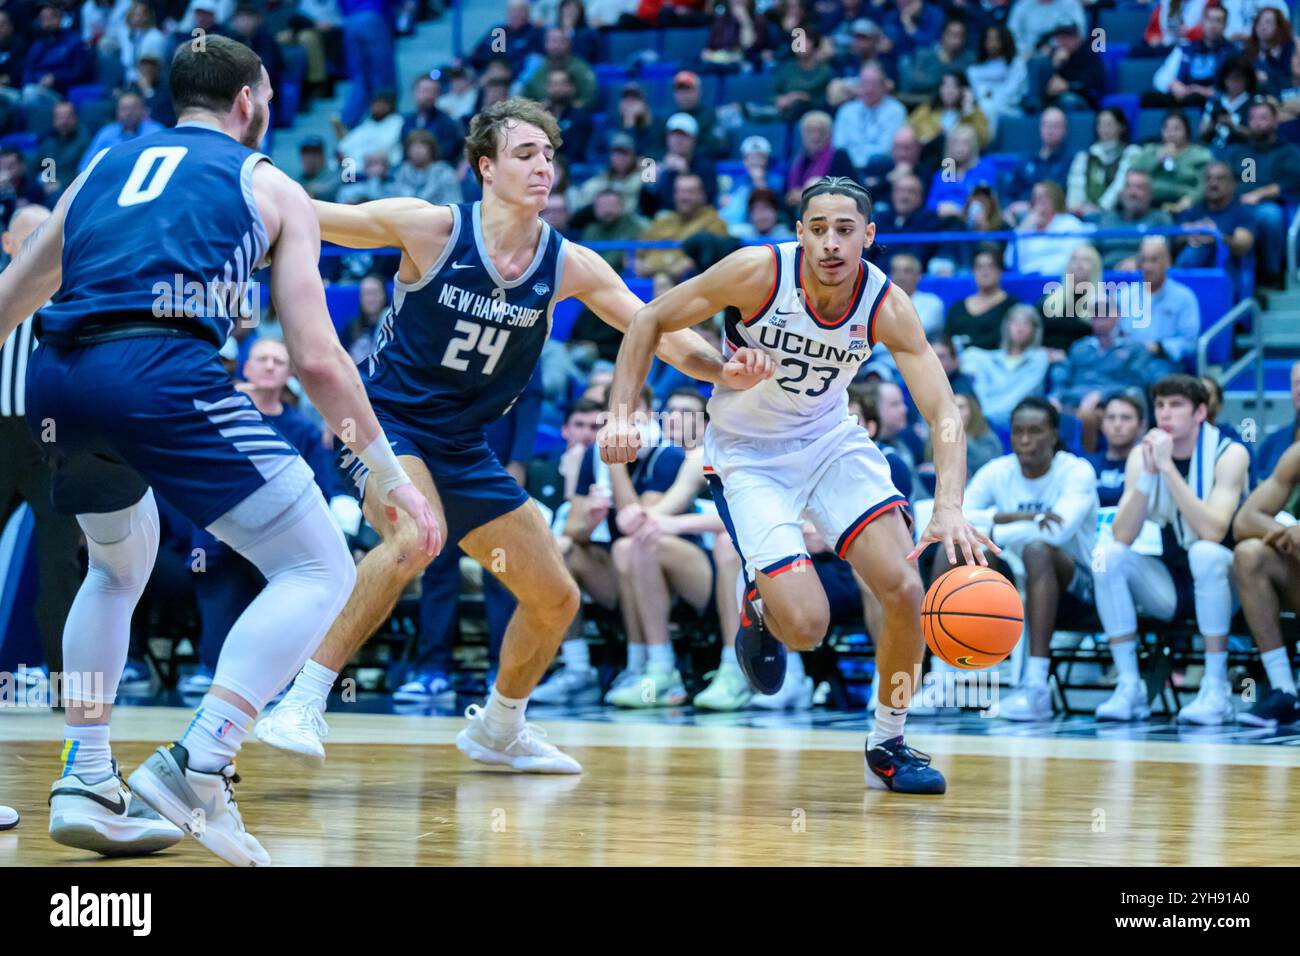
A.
pixel 395 792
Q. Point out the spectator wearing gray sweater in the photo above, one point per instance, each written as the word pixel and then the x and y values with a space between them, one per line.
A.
pixel 423 174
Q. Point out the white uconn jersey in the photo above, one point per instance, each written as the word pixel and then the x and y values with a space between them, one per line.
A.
pixel 816 356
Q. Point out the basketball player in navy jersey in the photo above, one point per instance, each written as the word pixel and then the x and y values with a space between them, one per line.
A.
pixel 788 448
pixel 149 252
pixel 471 311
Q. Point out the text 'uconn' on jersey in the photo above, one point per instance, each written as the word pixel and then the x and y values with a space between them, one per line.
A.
pixel 459 346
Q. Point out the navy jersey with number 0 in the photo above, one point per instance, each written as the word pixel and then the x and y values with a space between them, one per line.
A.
pixel 459 346
pixel 163 227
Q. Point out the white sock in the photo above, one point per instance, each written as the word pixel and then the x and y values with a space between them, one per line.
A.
pixel 576 655
pixel 661 657
pixel 215 734
pixel 1216 666
pixel 1126 660
pixel 503 715
pixel 729 660
pixel 86 752
pixel 1036 669
pixel 888 725
pixel 1278 666
pixel 636 657
pixel 794 666
pixel 312 685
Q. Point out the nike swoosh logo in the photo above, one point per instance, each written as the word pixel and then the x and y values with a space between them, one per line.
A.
pixel 791 312
pixel 510 706
pixel 119 807
pixel 898 713
pixel 462 265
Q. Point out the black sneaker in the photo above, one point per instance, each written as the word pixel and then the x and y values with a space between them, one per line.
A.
pixel 1277 709
pixel 761 656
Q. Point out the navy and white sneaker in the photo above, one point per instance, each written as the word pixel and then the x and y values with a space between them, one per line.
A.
pixel 425 686
pixel 762 657
pixel 1277 709
pixel 893 765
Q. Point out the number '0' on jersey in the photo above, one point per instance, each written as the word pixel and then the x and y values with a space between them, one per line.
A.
pixel 816 356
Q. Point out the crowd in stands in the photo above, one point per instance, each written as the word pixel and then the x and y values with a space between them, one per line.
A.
pixel 969 116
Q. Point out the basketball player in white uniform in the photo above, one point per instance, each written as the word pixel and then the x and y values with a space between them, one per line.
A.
pixel 787 449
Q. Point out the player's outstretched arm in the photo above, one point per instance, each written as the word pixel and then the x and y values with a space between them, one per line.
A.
pixel 898 328
pixel 370 225
pixel 1255 519
pixel 35 273
pixel 738 280
pixel 321 363
pixel 590 279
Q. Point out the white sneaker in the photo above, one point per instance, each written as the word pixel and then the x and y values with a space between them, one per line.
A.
pixel 295 725
pixel 1129 702
pixel 729 690
pixel 105 818
pixel 1032 702
pixel 8 818
pixel 526 752
pixel 625 677
pixel 1212 706
pixel 651 688
pixel 201 804
pixel 795 694
pixel 569 686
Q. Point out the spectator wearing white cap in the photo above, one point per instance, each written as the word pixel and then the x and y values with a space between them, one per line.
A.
pixel 220 11
pixel 152 87
pixel 681 155
pixel 733 197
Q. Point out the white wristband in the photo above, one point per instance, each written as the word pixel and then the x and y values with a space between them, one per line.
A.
pixel 383 466
pixel 1146 482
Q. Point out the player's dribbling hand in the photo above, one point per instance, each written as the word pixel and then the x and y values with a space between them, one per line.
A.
pixel 746 368
pixel 619 441
pixel 411 500
pixel 949 526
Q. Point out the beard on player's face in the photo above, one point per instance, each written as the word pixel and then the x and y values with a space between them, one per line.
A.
pixel 252 137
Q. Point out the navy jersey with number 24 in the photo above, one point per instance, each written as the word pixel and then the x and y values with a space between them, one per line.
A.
pixel 459 345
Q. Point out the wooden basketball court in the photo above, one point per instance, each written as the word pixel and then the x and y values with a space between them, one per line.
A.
pixel 395 791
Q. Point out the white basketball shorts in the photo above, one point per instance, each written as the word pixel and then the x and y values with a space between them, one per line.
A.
pixel 766 488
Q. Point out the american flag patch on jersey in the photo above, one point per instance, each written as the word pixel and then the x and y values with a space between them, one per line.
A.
pixel 857 331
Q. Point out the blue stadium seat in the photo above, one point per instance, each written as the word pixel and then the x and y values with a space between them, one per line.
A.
pixel 1017 134
pixel 1125 23
pixel 23 142
pixel 343 301
pixel 685 44
pixel 87 93
pixel 564 315
pixel 1111 57
pixel 1081 124
pixel 749 88
pixel 623 45
pixel 1136 74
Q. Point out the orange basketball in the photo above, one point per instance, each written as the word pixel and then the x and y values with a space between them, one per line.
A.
pixel 972 617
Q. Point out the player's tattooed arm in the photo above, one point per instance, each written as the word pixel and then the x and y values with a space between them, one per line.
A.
pixel 898 328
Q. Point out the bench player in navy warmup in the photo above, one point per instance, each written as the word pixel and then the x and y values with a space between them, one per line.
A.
pixel 471 311
pixel 127 394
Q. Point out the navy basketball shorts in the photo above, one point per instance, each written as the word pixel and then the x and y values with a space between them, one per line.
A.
pixel 116 418
pixel 474 486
